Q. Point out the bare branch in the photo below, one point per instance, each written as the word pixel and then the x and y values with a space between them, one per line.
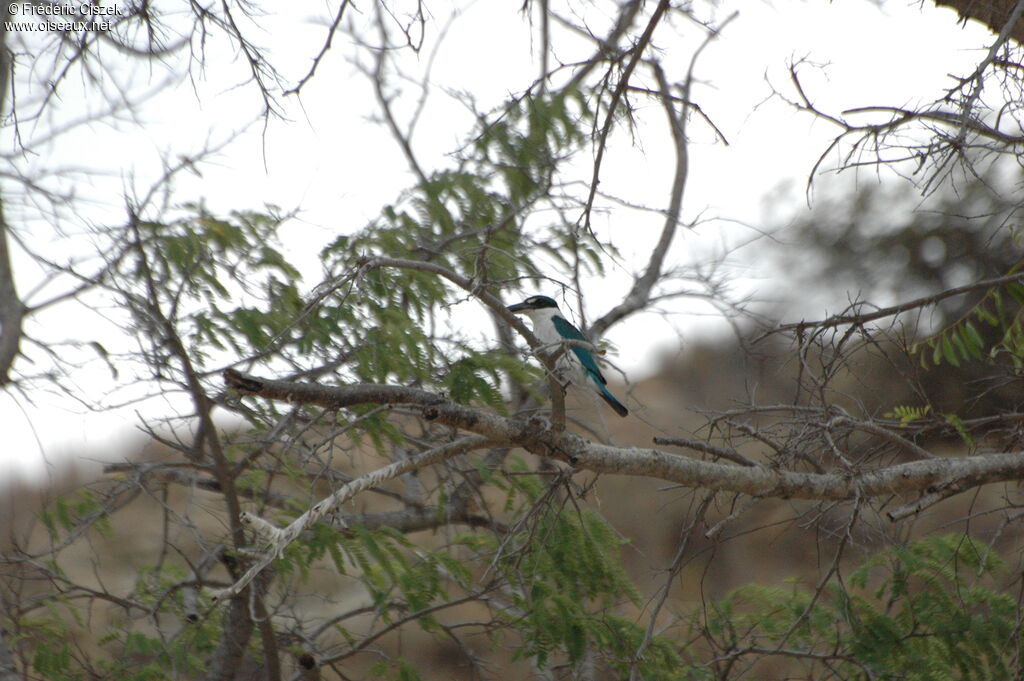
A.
pixel 636 53
pixel 331 30
pixel 639 295
pixel 860 318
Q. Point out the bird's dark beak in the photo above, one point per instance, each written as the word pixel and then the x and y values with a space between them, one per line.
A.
pixel 518 307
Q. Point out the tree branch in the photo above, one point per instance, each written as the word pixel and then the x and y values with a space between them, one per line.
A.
pixel 273 540
pixel 858 318
pixel 637 52
pixel 8 670
pixel 761 481
pixel 12 310
pixel 640 294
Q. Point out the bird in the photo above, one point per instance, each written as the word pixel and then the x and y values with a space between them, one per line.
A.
pixel 551 328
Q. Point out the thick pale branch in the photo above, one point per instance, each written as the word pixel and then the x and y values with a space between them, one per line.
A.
pixel 409 519
pixel 915 477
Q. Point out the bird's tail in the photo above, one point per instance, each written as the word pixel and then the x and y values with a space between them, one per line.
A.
pixel 612 402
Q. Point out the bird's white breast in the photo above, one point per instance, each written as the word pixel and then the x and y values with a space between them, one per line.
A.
pixel 545 331
pixel 543 328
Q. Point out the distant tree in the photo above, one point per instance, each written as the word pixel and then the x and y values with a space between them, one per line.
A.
pixel 858 245
pixel 866 253
pixel 400 479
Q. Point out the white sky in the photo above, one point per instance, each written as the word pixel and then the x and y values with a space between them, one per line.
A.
pixel 340 168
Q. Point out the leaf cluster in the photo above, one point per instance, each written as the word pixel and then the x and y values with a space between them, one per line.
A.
pixel 992 329
pixel 920 611
pixel 472 221
pixel 186 277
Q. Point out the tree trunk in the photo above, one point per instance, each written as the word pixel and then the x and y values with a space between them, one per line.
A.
pixel 992 13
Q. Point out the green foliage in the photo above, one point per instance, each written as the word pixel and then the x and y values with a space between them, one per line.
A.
pixel 917 612
pixel 618 639
pixel 196 267
pixel 129 648
pixel 469 221
pixel 225 287
pixel 324 542
pixel 1001 311
pixel 51 645
pixel 142 656
pixel 395 670
pixel 475 379
pixel 70 511
pixel 137 653
pixel 923 611
pixel 961 429
pixel 569 566
pixel 563 567
pixel 396 576
pixel 908 414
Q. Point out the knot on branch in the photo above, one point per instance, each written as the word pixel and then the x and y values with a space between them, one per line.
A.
pixel 243 384
pixel 541 436
pixel 271 536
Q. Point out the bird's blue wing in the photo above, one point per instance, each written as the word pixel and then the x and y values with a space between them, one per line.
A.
pixel 567 330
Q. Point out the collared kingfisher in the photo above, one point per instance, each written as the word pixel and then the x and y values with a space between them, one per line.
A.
pixel 551 328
